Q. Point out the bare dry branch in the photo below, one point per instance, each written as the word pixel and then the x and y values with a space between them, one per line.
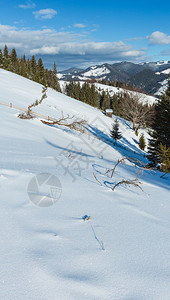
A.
pixel 134 110
pixel 132 160
pixel 112 170
pixel 96 179
pixel 133 182
pixel 76 124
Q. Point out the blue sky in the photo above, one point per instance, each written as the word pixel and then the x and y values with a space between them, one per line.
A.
pixel 82 33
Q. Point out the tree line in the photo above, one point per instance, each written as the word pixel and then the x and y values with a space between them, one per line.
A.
pixel 126 104
pixel 29 68
pixel 120 84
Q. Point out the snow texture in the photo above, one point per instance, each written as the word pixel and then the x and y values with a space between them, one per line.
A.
pixel 122 251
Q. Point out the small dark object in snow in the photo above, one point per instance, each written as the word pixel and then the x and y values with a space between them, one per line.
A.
pixel 86 218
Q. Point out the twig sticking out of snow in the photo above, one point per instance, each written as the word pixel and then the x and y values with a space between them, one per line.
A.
pixel 96 179
pixel 99 241
pixel 133 182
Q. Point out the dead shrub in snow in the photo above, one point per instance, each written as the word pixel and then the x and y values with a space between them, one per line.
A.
pixel 26 115
pixel 77 124
pixel 135 110
pixel 134 182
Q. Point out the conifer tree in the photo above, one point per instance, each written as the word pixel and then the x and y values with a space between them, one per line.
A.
pixel 33 67
pixel 77 91
pixel 115 133
pixel 142 143
pixel 164 154
pixel 29 68
pixel 1 59
pixel 13 56
pixel 83 92
pixel 54 69
pixel 37 76
pixel 88 99
pixel 105 100
pixel 14 66
pixel 161 129
pixel 115 105
pixel 93 96
pixel 40 69
pixel 6 58
pixel 23 68
pixel 70 89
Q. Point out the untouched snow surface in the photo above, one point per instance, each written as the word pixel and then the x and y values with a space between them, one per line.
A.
pixel 163 88
pixel 122 252
pixel 96 71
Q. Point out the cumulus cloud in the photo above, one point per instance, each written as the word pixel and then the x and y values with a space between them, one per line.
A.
pixel 158 38
pixel 79 25
pixel 67 46
pixel 28 5
pixel 114 50
pixel 45 14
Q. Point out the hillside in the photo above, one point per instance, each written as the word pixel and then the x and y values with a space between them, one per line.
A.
pixel 115 90
pixel 50 252
pixel 147 76
pixel 147 80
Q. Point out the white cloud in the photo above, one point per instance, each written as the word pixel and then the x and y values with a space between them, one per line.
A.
pixel 28 5
pixel 70 47
pixel 112 49
pixel 159 38
pixel 45 14
pixel 79 25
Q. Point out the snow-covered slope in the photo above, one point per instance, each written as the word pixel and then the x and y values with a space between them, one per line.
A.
pixel 97 72
pixel 163 88
pixel 122 252
pixel 164 83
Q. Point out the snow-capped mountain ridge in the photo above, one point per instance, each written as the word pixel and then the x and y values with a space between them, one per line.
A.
pixel 145 75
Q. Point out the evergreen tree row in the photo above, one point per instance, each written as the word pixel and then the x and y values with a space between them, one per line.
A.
pixel 29 68
pixel 87 93
pixel 101 99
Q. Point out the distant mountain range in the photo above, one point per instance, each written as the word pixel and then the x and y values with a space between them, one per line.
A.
pixel 150 76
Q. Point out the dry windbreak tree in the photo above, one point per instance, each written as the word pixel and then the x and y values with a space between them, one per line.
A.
pixel 135 110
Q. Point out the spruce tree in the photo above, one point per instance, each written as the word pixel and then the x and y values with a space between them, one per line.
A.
pixel 54 69
pixel 6 59
pixel 14 61
pixel 115 105
pixel 70 89
pixel 93 96
pixel 1 59
pixel 142 143
pixel 161 129
pixel 105 100
pixel 29 68
pixel 115 133
pixel 40 70
pixel 33 67
pixel 77 91
pixel 164 153
pixel 83 92
pixel 14 57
